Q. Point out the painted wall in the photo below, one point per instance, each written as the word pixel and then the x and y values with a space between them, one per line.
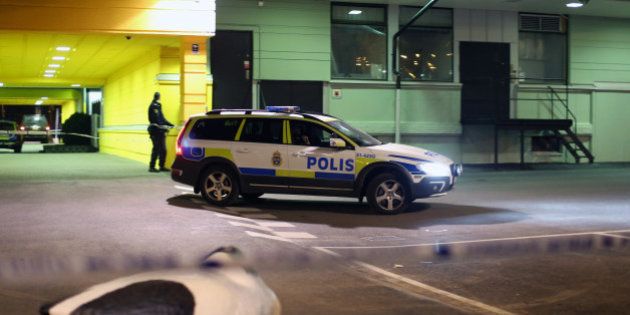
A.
pixel 127 95
pixel 291 38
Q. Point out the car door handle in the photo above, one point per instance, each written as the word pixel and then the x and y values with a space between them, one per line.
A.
pixel 242 150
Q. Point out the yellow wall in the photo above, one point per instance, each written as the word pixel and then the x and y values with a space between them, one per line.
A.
pixel 127 95
pixel 67 109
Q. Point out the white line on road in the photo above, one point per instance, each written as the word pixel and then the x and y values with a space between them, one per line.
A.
pixel 295 235
pixel 234 217
pixel 222 210
pixel 271 237
pixel 251 226
pixel 459 299
pixel 275 224
pixel 479 241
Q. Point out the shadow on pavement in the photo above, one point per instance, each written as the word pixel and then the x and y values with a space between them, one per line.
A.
pixel 351 214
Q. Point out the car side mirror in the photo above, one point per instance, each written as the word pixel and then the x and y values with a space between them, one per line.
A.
pixel 337 143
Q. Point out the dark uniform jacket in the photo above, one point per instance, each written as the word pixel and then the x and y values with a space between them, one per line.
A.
pixel 157 122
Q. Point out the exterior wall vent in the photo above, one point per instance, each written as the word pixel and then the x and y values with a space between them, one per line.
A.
pixel 542 23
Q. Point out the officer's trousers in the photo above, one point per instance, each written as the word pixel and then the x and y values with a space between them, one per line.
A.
pixel 159 148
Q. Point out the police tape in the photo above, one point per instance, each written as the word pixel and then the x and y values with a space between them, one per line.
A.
pixel 493 248
pixel 55 132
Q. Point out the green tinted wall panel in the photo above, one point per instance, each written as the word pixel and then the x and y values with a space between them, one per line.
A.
pixel 611 142
pixel 291 38
pixel 599 49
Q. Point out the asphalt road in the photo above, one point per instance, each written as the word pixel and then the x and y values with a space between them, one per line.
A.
pixel 527 242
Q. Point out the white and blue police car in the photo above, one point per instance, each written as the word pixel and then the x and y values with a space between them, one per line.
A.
pixel 227 153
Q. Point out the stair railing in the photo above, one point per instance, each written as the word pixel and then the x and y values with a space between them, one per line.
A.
pixel 567 110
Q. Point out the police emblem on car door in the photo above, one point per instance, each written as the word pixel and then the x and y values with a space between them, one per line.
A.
pixel 314 164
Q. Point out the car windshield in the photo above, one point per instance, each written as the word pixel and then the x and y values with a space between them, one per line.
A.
pixel 360 137
pixel 6 126
pixel 39 120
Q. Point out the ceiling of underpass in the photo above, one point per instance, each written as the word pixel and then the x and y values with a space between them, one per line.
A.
pixel 35 59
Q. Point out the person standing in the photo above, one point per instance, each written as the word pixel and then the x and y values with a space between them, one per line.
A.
pixel 158 126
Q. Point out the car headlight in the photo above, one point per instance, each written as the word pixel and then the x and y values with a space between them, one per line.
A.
pixel 435 169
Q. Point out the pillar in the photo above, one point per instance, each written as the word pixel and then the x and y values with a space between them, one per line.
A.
pixel 193 75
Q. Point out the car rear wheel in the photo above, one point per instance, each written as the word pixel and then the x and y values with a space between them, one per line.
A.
pixel 387 194
pixel 219 186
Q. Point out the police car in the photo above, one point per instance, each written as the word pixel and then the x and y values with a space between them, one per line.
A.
pixel 227 153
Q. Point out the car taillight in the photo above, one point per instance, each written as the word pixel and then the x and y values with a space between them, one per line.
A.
pixel 178 144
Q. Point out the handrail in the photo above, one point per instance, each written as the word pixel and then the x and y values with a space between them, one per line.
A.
pixel 566 106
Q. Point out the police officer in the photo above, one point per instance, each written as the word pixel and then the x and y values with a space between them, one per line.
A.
pixel 158 126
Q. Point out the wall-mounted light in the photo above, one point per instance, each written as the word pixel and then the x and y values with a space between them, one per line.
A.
pixel 76 85
pixel 40 102
pixel 576 3
pixel 1 84
pixel 355 12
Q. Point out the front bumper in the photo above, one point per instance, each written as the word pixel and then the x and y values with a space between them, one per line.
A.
pixel 432 186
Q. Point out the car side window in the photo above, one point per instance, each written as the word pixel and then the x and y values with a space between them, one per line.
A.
pixel 215 129
pixel 309 134
pixel 262 130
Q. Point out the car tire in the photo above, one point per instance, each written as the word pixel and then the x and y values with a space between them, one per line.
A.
pixel 251 197
pixel 219 186
pixel 387 194
pixel 17 148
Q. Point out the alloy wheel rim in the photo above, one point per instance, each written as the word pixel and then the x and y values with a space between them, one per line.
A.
pixel 218 186
pixel 390 195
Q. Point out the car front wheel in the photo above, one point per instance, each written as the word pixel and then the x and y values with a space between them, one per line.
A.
pixel 219 186
pixel 387 194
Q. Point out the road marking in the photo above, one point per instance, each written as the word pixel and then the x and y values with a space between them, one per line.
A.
pixel 184 188
pixel 271 237
pixel 234 217
pixel 250 226
pixel 275 224
pixel 479 241
pixel 265 216
pixel 459 300
pixel 295 235
pixel 222 210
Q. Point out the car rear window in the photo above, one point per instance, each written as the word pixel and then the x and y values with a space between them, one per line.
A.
pixel 215 129
pixel 39 120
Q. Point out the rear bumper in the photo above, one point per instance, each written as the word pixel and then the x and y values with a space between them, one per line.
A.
pixel 185 172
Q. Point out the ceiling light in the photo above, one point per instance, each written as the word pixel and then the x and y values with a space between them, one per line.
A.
pixel 58 58
pixel 54 65
pixel 50 71
pixel 63 48
pixel 48 75
pixel 44 97
pixel 576 3
pixel 40 102
pixel 76 85
pixel 355 12
pixel 1 84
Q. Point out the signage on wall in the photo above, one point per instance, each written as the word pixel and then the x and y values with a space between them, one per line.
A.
pixel 336 93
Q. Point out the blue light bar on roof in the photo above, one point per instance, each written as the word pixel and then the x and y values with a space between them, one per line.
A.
pixel 283 109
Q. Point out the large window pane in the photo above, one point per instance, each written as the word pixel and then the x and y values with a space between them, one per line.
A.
pixel 542 57
pixel 426 48
pixel 359 42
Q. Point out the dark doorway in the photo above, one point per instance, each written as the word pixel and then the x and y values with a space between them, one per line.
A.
pixel 232 69
pixel 306 94
pixel 485 77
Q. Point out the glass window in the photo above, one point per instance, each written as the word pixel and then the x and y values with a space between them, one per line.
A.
pixel 359 42
pixel 310 134
pixel 542 49
pixel 215 129
pixel 262 130
pixel 426 47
